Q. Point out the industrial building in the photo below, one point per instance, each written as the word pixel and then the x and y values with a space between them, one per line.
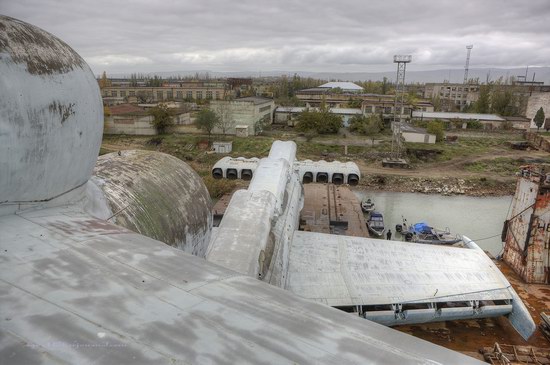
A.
pixel 348 87
pixel 457 95
pixel 246 113
pixel 370 103
pixel 489 121
pixel 287 115
pixel 184 90
pixel 135 120
pixel 416 135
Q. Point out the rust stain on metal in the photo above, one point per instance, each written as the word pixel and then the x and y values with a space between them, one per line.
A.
pixel 527 230
pixel 332 208
pixel 469 336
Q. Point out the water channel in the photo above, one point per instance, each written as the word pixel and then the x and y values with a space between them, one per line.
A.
pixel 475 217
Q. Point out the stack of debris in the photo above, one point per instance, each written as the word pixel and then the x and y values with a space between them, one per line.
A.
pixel 511 355
pixel 545 325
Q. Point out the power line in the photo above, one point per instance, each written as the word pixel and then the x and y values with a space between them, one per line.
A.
pixel 486 238
pixel 466 68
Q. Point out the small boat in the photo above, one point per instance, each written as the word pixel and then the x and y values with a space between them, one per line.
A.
pixel 375 223
pixel 367 205
pixel 423 233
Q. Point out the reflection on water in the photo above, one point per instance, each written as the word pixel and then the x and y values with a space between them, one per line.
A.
pixel 473 217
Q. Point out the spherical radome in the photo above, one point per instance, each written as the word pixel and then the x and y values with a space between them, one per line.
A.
pixel 51 115
pixel 157 195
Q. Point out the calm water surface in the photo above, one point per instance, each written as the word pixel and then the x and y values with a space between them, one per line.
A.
pixel 474 217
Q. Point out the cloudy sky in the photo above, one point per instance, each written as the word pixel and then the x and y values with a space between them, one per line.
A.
pixel 300 35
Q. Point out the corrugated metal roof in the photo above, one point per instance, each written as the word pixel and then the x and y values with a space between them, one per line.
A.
pixel 346 111
pixel 462 116
pixel 411 129
pixel 255 99
pixel 127 109
pixel 290 109
pixel 299 109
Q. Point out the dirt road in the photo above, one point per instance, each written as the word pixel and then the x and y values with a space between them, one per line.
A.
pixel 454 168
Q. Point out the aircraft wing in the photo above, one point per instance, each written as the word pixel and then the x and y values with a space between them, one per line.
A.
pixel 75 289
pixel 394 282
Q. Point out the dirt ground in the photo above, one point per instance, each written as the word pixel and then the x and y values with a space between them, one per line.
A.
pixel 470 336
pixel 453 168
pixel 447 178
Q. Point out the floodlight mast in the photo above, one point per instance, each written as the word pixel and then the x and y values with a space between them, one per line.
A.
pixel 467 66
pixel 401 61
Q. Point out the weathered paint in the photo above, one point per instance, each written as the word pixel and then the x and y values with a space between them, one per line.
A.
pixel 347 169
pixel 239 164
pixel 157 195
pixel 49 135
pixel 354 272
pixel 345 270
pixel 527 247
pixel 41 52
pixel 519 317
pixel 442 283
pixel 259 221
pixel 244 233
pixel 78 289
pixel 75 289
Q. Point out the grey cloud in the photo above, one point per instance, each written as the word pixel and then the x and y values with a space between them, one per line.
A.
pixel 307 35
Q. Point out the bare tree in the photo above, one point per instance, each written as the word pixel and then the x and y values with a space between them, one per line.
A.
pixel 225 116
pixel 207 120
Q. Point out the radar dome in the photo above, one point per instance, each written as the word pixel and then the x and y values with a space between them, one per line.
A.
pixel 157 195
pixel 51 115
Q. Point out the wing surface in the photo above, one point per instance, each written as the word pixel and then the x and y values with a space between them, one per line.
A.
pixel 345 270
pixel 394 282
pixel 74 289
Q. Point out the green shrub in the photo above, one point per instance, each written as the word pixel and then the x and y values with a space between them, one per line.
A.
pixel 219 187
pixel 436 127
pixel 475 124
pixel 322 122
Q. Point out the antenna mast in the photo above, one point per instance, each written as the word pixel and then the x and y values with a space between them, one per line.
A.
pixel 469 48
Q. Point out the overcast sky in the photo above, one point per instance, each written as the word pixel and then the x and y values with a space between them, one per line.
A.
pixel 299 35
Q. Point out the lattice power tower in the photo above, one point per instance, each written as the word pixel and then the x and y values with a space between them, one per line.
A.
pixel 469 48
pixel 397 147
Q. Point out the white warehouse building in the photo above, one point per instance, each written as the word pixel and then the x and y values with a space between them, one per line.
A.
pixel 244 113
